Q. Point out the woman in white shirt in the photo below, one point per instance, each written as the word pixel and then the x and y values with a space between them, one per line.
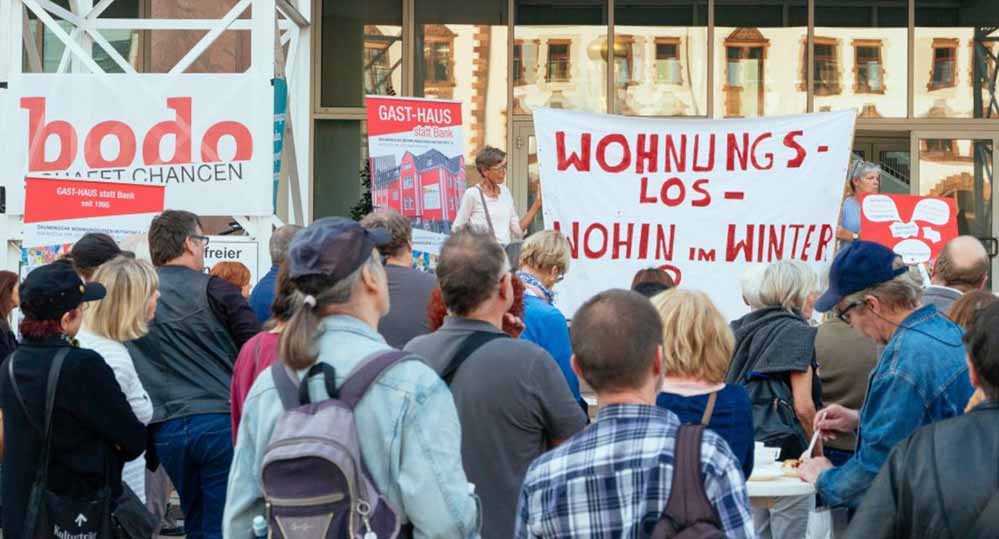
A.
pixel 490 204
pixel 123 315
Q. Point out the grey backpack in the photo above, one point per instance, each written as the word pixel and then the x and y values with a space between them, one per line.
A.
pixel 314 479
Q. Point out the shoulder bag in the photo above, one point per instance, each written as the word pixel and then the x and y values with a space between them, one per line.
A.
pixel 513 248
pixel 50 514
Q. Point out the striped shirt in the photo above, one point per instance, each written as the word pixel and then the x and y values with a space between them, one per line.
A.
pixel 613 479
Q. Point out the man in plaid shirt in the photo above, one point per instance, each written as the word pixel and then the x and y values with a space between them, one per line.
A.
pixel 613 479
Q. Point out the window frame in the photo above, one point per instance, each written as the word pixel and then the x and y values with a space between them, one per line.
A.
pixel 836 88
pixel 676 43
pixel 567 43
pixel 878 45
pixel 943 43
pixel 436 34
pixel 744 44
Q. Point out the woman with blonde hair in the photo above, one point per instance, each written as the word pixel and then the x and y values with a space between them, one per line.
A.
pixel 124 315
pixel 544 261
pixel 697 349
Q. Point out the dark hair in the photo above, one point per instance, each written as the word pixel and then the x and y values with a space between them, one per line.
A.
pixel 652 275
pixel 8 280
pixel 615 335
pixel 437 311
pixel 649 289
pixel 168 234
pixel 40 329
pixel 982 343
pixel 280 240
pixel 92 250
pixel 285 298
pixel 469 268
pixel 964 311
pixel 396 224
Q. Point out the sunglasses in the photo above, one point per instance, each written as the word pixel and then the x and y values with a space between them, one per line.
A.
pixel 844 315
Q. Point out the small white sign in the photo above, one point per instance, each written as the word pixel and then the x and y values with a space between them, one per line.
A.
pixel 236 249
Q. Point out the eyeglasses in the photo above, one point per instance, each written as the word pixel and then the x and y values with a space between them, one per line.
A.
pixel 844 315
pixel 199 237
pixel 500 167
pixel 560 278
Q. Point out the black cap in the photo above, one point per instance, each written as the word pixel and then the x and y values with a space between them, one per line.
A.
pixel 332 246
pixel 94 249
pixel 53 290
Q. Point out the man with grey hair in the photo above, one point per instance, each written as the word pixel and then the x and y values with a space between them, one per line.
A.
pixel 409 288
pixel 920 378
pixel 963 266
pixel 263 293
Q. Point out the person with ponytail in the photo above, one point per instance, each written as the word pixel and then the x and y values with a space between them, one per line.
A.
pixel 407 424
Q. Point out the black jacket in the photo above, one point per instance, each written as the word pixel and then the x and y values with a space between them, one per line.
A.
pixel 92 424
pixel 936 482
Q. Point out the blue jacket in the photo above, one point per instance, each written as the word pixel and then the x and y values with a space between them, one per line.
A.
pixel 920 378
pixel 546 327
pixel 407 426
pixel 263 295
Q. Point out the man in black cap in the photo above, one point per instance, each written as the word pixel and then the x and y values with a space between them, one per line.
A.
pixel 943 481
pixel 920 378
pixel 407 424
pixel 94 431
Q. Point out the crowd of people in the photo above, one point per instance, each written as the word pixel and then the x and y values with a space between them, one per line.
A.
pixel 350 393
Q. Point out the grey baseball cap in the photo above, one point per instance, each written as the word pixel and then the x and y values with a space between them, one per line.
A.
pixel 332 246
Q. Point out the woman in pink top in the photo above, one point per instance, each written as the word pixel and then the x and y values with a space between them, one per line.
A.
pixel 262 349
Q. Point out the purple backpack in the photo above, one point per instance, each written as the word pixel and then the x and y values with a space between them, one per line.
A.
pixel 314 479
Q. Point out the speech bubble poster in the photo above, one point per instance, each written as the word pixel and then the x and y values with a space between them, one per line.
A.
pixel 915 227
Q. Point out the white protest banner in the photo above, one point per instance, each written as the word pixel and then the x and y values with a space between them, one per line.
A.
pixel 703 199
pixel 233 249
pixel 417 163
pixel 207 138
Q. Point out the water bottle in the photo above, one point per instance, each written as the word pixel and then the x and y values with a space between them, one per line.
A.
pixel 259 527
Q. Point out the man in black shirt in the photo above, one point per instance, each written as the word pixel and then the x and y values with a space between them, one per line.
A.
pixel 201 323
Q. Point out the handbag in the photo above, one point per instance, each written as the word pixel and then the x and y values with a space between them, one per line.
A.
pixel 131 518
pixel 50 514
pixel 513 248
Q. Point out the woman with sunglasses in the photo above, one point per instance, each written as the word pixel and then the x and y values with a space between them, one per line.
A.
pixel 490 204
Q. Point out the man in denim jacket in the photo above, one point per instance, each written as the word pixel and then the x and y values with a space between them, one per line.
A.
pixel 407 423
pixel 920 378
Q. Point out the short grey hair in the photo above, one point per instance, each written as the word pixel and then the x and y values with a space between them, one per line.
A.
pixel 787 284
pixel 750 284
pixel 859 169
pixel 488 157
pixel 903 292
pixel 343 291
pixel 280 240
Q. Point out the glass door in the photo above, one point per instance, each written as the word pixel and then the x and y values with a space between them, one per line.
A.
pixel 960 166
pixel 524 175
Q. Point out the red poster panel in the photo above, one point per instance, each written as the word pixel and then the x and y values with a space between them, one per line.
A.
pixel 54 199
pixel 915 227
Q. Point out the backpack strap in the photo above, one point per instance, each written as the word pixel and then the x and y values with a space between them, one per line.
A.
pixel 471 343
pixel 709 410
pixel 287 387
pixel 688 502
pixel 365 374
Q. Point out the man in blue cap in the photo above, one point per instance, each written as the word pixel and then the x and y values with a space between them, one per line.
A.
pixel 921 377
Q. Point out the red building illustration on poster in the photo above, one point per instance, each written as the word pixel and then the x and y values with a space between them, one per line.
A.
pixel 427 188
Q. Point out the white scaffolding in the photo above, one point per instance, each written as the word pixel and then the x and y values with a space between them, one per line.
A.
pixel 279 47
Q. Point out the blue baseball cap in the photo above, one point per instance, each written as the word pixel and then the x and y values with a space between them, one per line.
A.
pixel 859 265
pixel 332 246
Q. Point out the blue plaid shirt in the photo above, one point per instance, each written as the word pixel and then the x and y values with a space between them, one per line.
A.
pixel 613 479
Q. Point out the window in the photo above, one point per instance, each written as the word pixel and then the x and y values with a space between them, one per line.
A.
pixel 668 61
pixel 944 71
pixel 624 60
pixel 745 52
pixel 377 62
pixel 826 67
pixel 407 183
pixel 558 61
pixel 933 148
pixel 868 69
pixel 438 62
pixel 518 63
